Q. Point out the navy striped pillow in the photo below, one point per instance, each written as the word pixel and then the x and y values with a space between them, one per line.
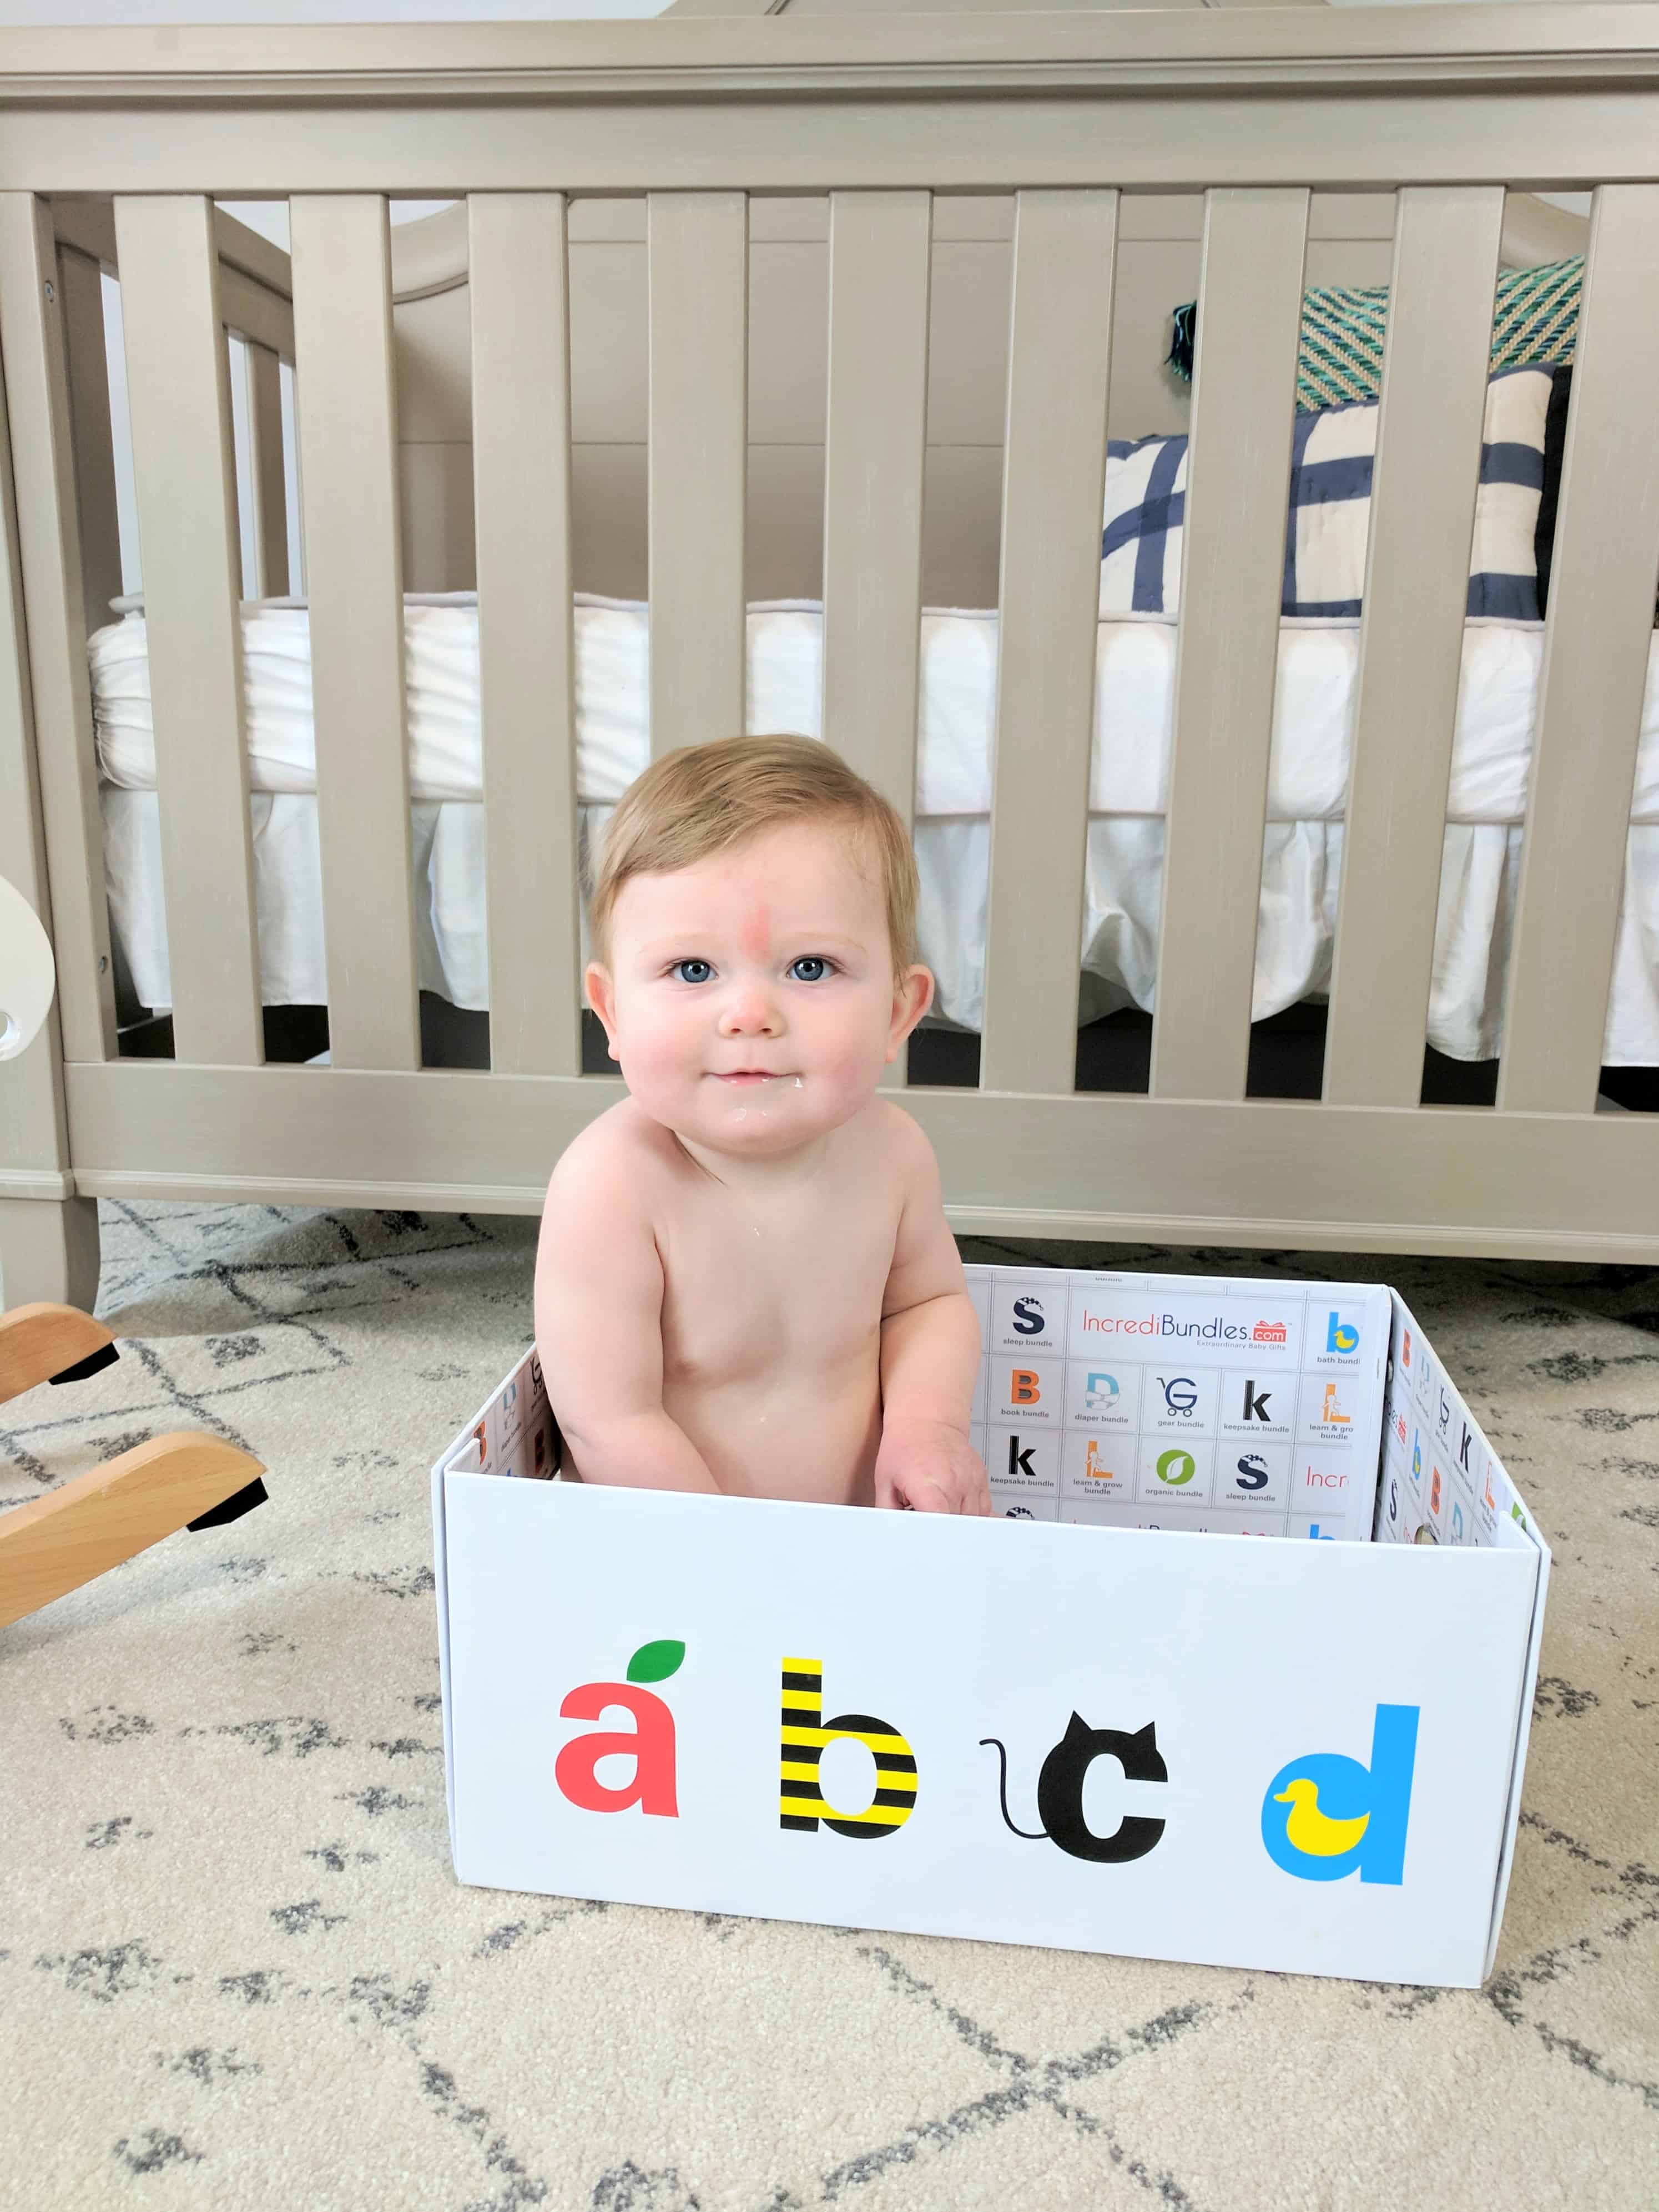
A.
pixel 1332 458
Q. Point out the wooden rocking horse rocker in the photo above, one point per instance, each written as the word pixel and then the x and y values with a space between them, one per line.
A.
pixel 183 1481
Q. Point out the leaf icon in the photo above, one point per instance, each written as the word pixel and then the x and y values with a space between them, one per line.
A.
pixel 655 1662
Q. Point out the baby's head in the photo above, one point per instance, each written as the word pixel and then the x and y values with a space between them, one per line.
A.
pixel 753 925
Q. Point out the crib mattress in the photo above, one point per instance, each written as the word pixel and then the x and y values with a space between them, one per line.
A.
pixel 1134 684
pixel 1134 695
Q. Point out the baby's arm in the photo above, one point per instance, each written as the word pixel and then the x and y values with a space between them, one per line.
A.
pixel 599 1330
pixel 929 1354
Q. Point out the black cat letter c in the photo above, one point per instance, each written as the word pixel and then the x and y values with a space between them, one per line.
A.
pixel 1060 1791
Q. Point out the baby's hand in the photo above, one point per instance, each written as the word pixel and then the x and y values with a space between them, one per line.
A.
pixel 930 1468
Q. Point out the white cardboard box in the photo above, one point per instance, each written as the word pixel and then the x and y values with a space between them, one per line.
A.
pixel 1166 1740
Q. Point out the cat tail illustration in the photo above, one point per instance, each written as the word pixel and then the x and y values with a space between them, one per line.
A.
pixel 1031 1835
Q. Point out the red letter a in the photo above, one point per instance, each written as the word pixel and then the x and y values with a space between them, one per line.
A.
pixel 651 1747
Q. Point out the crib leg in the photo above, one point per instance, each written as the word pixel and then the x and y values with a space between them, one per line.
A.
pixel 49 1250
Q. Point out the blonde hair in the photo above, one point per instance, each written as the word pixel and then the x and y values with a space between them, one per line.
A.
pixel 705 799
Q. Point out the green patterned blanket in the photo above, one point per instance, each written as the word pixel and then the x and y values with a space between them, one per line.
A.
pixel 1535 319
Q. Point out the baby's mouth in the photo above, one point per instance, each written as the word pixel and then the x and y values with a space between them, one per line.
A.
pixel 743 1078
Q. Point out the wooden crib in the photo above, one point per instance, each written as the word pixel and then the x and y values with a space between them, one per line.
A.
pixel 113 146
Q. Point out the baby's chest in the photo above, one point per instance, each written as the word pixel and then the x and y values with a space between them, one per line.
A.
pixel 747 1295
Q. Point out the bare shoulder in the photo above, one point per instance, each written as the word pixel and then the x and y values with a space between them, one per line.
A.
pixel 925 1263
pixel 617 1159
pixel 897 1137
pixel 896 1157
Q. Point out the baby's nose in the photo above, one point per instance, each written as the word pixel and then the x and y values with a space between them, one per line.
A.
pixel 750 1010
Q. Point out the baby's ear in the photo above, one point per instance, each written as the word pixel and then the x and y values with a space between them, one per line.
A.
pixel 913 993
pixel 601 997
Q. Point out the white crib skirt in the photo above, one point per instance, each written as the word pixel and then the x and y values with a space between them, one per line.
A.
pixel 1300 874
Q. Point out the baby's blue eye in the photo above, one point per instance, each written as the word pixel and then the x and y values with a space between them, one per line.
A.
pixel 692 971
pixel 813 962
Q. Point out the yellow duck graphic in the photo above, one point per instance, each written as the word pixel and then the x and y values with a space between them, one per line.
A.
pixel 1308 1829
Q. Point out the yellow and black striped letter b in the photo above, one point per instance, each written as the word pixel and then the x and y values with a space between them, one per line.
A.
pixel 805 1734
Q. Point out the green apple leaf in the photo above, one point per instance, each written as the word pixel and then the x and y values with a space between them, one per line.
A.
pixel 655 1662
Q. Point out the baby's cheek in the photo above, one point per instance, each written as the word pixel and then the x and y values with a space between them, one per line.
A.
pixel 657 1065
pixel 853 1068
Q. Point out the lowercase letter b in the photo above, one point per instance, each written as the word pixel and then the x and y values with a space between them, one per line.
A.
pixel 805 1735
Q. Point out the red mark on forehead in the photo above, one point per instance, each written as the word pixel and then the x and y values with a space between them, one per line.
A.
pixel 755 932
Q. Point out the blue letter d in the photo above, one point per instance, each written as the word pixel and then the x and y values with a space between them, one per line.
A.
pixel 1325 1815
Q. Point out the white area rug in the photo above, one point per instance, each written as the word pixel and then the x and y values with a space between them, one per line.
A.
pixel 236 1970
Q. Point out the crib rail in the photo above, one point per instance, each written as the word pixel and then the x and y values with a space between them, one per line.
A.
pixel 521 470
pixel 1068 115
pixel 1601 611
pixel 180 403
pixel 698 259
pixel 1054 464
pixel 342 326
pixel 880 246
pixel 1250 301
pixel 1433 403
pixel 266 489
pixel 81 289
pixel 42 470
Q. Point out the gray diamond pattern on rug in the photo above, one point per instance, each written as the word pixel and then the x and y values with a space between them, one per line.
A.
pixel 236 1970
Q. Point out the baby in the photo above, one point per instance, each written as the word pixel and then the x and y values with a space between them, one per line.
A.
pixel 744 1281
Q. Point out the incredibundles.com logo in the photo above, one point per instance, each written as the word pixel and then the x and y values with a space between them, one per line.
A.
pixel 1213 1331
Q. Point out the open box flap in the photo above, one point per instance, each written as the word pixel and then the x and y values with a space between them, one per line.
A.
pixel 440 1576
pixel 512 1434
pixel 1247 1404
pixel 1436 1461
pixel 1522 1729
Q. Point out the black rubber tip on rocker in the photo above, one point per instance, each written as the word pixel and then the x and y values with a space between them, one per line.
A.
pixel 93 1364
pixel 232 1509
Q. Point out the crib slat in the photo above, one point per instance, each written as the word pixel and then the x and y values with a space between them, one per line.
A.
pixel 1596 663
pixel 521 477
pixel 178 395
pixel 1054 471
pixel 81 287
pixel 880 247
pixel 1238 474
pixel 296 556
pixel 33 1128
pixel 266 483
pixel 345 395
pixel 37 394
pixel 698 256
pixel 1428 461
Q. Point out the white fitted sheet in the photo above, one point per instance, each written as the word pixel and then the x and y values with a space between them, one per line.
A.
pixel 1313 710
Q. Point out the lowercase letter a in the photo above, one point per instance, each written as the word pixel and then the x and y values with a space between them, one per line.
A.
pixel 649 1744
